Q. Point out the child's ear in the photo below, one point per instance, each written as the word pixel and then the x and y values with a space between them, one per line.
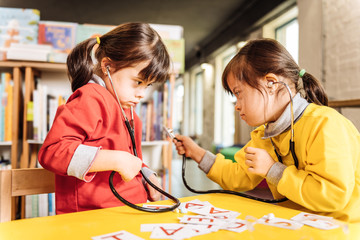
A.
pixel 105 64
pixel 270 80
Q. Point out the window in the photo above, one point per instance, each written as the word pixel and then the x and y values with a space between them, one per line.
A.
pixel 193 103
pixel 288 36
pixel 198 106
pixel 178 99
pixel 224 107
pixel 285 29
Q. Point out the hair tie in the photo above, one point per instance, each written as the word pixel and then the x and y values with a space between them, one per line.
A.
pixel 98 40
pixel 302 72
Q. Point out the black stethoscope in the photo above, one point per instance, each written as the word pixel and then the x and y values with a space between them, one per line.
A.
pixel 131 132
pixel 292 150
pixel 171 135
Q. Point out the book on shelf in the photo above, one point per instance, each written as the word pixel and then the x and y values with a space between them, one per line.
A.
pixel 40 205
pixel 60 35
pixel 30 120
pixel 41 112
pixel 166 31
pixel 176 49
pixel 28 52
pixel 172 36
pixel 8 96
pixel 154 113
pixel 17 25
pixel 6 106
pixel 85 31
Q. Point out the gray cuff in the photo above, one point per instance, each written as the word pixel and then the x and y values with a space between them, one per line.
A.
pixel 81 162
pixel 275 173
pixel 207 161
pixel 148 172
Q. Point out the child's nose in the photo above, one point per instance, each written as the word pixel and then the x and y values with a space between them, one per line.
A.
pixel 140 93
pixel 237 106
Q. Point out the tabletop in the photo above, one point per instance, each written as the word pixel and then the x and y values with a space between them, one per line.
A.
pixel 88 224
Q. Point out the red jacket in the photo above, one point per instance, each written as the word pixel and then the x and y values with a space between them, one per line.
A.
pixel 90 117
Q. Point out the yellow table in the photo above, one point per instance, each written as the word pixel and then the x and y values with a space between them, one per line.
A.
pixel 84 225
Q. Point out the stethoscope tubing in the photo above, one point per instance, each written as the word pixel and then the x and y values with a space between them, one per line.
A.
pixel 111 177
pixel 225 191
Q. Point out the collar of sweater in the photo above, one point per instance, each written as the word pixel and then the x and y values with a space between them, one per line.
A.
pixel 283 123
pixel 98 80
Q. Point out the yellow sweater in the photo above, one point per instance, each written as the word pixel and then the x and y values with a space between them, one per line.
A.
pixel 327 181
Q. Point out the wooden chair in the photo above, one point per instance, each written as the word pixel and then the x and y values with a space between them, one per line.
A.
pixel 21 182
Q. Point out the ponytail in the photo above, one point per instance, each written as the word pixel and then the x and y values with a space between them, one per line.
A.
pixel 80 65
pixel 314 92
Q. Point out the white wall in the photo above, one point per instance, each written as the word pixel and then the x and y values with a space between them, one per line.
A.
pixel 330 47
pixel 310 36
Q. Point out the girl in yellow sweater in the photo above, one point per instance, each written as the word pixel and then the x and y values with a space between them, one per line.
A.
pixel 307 151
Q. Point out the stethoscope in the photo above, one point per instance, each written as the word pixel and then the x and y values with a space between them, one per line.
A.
pixel 130 128
pixel 292 150
pixel 291 143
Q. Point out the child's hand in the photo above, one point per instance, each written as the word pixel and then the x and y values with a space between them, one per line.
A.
pixel 185 145
pixel 129 166
pixel 126 164
pixel 258 160
pixel 154 195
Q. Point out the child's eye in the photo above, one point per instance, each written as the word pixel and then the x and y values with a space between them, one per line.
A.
pixel 236 93
pixel 150 84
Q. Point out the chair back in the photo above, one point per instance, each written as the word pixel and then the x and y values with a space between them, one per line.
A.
pixel 21 182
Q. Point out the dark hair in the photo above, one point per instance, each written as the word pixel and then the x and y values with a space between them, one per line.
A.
pixel 262 56
pixel 126 45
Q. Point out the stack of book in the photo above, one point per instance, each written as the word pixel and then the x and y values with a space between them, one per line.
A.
pixel 18 25
pixel 28 52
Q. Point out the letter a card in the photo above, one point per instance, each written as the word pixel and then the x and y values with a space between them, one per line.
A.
pixel 121 235
pixel 171 231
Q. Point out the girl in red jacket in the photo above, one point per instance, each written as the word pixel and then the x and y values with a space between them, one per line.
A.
pixel 89 139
